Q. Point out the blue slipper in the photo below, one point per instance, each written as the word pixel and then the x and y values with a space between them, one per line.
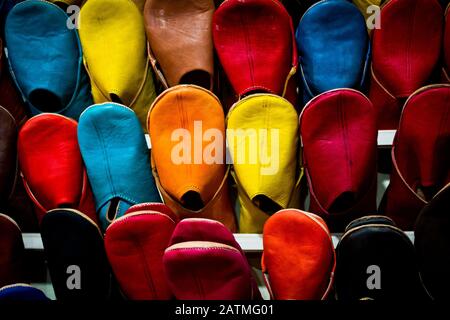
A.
pixel 334 48
pixel 116 155
pixel 21 292
pixel 46 60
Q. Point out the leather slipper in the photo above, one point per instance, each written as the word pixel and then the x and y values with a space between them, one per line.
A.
pixel 52 168
pixel 190 171
pixel 74 250
pixel 62 86
pixel 405 52
pixel 298 257
pixel 12 252
pixel 255 43
pixel 333 46
pixel 339 136
pixel 199 268
pixel 432 243
pixel 20 293
pixel 115 152
pixel 10 98
pixel 184 57
pixel 135 247
pixel 376 261
pixel 267 177
pixel 8 156
pixel 112 33
pixel 420 155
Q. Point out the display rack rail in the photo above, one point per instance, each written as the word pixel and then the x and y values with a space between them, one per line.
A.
pixel 250 243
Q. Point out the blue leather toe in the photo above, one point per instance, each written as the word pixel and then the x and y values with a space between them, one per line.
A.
pixel 46 59
pixel 334 48
pixel 116 156
pixel 21 292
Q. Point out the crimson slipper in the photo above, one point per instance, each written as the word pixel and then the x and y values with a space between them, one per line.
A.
pixel 204 262
pixel 405 52
pixel 420 155
pixel 339 135
pixel 135 245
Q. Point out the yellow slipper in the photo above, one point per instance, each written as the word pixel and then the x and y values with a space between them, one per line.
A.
pixel 114 44
pixel 262 136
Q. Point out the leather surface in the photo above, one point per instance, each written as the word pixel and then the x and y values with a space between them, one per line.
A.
pixel 153 206
pixel 8 156
pixel 298 256
pixel 14 200
pixel 5 7
pixel 255 43
pixel 12 252
pixel 446 47
pixel 339 135
pixel 10 98
pixel 72 239
pixel 369 220
pixel 333 46
pixel 180 38
pixel 135 247
pixel 21 293
pixel 46 59
pixel 192 186
pixel 115 152
pixel 268 183
pixel 198 268
pixel 197 229
pixel 420 154
pixel 383 246
pixel 212 231
pixel 405 51
pixel 20 208
pixel 114 45
pixel 432 244
pixel 52 167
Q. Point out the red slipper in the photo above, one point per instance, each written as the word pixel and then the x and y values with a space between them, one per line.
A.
pixel 135 245
pixel 339 135
pixel 204 262
pixel 255 42
pixel 52 168
pixel 420 155
pixel 405 52
pixel 298 257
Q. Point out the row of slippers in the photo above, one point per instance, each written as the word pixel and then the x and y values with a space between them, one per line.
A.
pixel 113 171
pixel 155 256
pixel 331 48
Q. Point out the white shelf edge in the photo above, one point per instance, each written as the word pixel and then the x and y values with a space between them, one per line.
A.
pixel 250 243
pixel 386 138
